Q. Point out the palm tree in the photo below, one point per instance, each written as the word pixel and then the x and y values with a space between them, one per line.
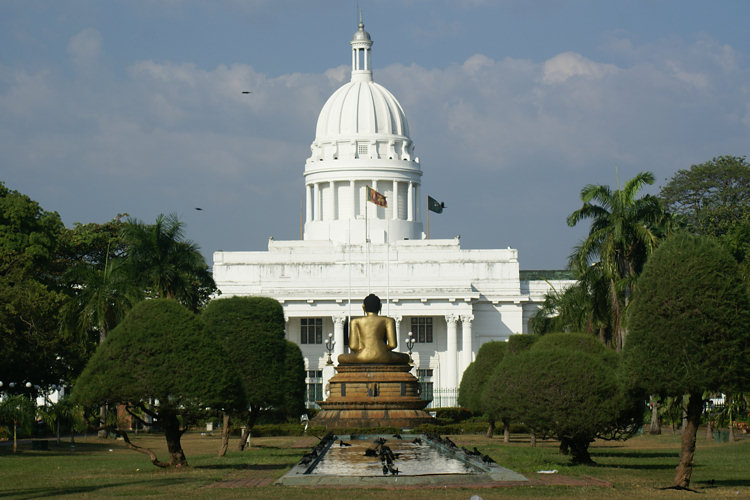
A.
pixel 624 231
pixel 101 298
pixel 165 264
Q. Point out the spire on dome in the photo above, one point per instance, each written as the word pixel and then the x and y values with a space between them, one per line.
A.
pixel 361 59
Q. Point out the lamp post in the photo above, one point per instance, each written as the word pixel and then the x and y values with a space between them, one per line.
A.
pixel 410 345
pixel 329 347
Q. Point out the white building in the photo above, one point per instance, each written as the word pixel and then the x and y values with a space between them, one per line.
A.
pixel 451 299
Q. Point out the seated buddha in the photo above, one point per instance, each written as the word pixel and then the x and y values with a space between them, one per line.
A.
pixel 372 338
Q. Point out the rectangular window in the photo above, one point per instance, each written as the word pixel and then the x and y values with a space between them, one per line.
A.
pixel 361 149
pixel 421 329
pixel 425 383
pixel 314 388
pixel 311 330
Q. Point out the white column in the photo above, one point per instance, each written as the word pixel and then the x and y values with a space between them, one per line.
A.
pixel 338 336
pixel 318 202
pixel 334 201
pixel 308 203
pixel 397 318
pixel 449 377
pixel 353 196
pixel 417 212
pixel 410 202
pixel 466 348
pixel 394 209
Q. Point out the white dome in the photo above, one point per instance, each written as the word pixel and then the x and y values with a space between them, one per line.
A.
pixel 361 108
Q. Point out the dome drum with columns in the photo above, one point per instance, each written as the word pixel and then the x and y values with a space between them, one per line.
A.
pixel 451 299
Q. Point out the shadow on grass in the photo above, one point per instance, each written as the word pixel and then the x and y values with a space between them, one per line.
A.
pixel 723 482
pixel 243 466
pixel 635 454
pixel 28 493
pixel 636 466
pixel 58 450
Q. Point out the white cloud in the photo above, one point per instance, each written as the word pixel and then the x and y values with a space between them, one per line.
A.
pixel 85 48
pixel 569 64
pixel 167 134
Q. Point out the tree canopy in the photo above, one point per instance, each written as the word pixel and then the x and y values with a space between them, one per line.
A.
pixel 167 265
pixel 713 198
pixel 564 386
pixel 688 329
pixel 160 360
pixel 251 331
pixel 31 349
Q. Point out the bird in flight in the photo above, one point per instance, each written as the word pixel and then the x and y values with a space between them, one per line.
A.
pixel 247 91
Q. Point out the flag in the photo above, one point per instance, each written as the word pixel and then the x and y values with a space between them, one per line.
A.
pixel 434 205
pixel 376 197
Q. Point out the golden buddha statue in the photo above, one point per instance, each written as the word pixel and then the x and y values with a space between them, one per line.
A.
pixel 373 338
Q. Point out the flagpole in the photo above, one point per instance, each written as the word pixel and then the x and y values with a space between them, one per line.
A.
pixel 387 265
pixel 428 217
pixel 367 247
pixel 350 274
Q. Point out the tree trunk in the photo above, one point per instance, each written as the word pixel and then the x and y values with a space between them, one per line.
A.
pixel 506 430
pixel 172 434
pixel 102 422
pixel 655 424
pixel 224 436
pixel 579 451
pixel 685 403
pixel 709 431
pixel 532 438
pixel 565 446
pixel 244 438
pixel 491 429
pixel 687 449
pixel 15 442
pixel 57 426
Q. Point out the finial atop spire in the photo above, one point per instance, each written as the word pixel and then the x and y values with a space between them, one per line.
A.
pixel 361 44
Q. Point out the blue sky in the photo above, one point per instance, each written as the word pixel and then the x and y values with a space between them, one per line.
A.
pixel 136 106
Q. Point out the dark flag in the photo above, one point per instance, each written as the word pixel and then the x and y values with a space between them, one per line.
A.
pixel 434 205
pixel 376 198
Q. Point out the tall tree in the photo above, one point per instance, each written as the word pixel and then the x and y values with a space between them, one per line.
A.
pixel 688 330
pixel 564 387
pixel 474 380
pixel 624 231
pixel 160 360
pixel 714 200
pixel 251 330
pixel 166 264
pixel 31 347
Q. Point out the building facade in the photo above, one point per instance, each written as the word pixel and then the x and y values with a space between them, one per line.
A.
pixel 451 299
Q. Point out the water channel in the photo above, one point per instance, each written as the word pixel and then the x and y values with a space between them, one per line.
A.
pixel 412 459
pixel 419 460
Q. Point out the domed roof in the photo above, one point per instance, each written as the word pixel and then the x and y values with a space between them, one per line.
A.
pixel 361 35
pixel 361 107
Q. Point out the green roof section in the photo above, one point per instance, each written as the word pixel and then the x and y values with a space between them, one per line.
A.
pixel 546 274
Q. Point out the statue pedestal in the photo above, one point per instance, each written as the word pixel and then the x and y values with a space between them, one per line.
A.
pixel 372 395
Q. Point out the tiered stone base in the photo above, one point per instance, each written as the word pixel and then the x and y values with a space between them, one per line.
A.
pixel 372 395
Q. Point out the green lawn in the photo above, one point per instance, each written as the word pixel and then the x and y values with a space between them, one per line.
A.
pixel 105 468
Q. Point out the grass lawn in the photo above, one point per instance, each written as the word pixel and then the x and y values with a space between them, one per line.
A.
pixel 106 468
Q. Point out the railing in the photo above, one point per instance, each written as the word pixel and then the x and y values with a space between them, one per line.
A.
pixel 442 398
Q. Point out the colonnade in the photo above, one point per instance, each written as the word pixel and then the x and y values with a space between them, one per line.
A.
pixel 314 203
